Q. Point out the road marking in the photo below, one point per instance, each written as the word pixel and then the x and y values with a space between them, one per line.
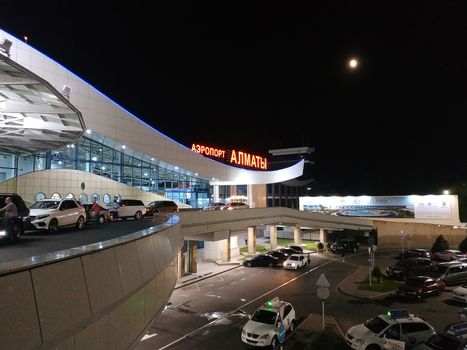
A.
pixel 148 336
pixel 228 314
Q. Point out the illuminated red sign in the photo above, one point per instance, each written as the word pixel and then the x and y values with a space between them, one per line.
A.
pixel 233 156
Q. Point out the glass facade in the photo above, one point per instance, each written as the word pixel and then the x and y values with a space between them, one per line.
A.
pixel 94 157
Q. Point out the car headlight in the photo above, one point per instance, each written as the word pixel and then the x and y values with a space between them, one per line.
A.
pixel 41 216
pixel 3 233
pixel 243 332
pixel 360 341
pixel 265 336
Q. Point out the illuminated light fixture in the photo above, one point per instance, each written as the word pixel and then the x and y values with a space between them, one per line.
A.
pixel 176 168
pixel 196 174
pixel 94 158
pixel 5 46
pixel 213 178
pixel 123 146
pixel 446 192
pixel 25 38
pixel 88 131
pixel 60 162
pixel 153 182
pixel 152 159
pixel 145 174
pixel 66 91
pixel 103 168
pixel 72 146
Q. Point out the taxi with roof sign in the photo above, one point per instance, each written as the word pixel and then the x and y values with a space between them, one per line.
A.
pixel 398 325
pixel 269 323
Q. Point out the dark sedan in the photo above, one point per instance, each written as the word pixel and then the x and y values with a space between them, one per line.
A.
pixel 261 260
pixel 281 257
pixel 420 287
pixel 416 253
pixel 410 267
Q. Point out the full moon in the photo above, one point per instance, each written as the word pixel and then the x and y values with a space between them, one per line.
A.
pixel 353 63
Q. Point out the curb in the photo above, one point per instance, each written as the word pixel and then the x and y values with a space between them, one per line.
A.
pixel 203 277
pixel 350 294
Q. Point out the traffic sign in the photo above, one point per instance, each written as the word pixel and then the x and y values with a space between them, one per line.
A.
pixel 322 281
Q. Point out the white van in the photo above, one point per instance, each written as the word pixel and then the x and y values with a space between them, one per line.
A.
pixel 130 208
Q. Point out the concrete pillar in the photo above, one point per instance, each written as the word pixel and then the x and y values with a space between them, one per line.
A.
pixel 297 235
pixel 226 250
pixel 322 236
pixel 272 236
pixel 251 240
pixel 193 264
pixel 180 264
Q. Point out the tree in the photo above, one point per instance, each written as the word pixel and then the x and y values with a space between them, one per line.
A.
pixel 440 244
pixel 463 245
pixel 377 274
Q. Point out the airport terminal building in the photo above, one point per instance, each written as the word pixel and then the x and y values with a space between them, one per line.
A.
pixel 62 137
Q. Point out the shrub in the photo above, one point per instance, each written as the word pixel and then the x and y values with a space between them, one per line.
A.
pixel 320 246
pixel 327 339
pixel 440 244
pixel 463 245
pixel 377 273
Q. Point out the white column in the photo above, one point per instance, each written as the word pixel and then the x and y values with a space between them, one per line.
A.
pixel 249 193
pixel 180 265
pixel 297 235
pixel 215 190
pixel 251 240
pixel 272 236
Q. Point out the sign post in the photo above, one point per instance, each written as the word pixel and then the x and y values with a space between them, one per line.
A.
pixel 322 291
pixel 402 241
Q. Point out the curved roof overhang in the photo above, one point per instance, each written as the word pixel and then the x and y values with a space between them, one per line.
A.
pixel 43 119
pixel 34 116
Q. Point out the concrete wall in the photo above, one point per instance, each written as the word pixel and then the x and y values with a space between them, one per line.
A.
pixel 421 235
pixel 102 299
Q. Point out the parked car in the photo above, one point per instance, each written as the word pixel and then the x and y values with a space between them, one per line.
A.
pixel 443 341
pixel 460 293
pixel 450 272
pixel 104 214
pixel 130 208
pixel 296 247
pixel 287 251
pixel 16 229
pixel 345 244
pixel 295 261
pixel 160 207
pixel 416 253
pixel 261 260
pixel 265 324
pixel 235 205
pixel 281 257
pixel 410 267
pixel 448 255
pixel 214 206
pixel 420 287
pixel 53 214
pixel 399 325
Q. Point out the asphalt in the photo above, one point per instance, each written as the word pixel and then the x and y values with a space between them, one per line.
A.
pixel 313 323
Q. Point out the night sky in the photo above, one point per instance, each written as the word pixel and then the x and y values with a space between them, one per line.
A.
pixel 263 75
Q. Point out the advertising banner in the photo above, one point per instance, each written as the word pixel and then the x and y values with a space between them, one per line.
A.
pixel 418 207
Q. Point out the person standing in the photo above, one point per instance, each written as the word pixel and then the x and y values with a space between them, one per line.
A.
pixel 113 209
pixel 11 213
pixel 95 210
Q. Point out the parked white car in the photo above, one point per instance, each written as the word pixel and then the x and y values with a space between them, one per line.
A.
pixel 295 261
pixel 396 326
pixel 269 323
pixel 52 214
pixel 460 293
